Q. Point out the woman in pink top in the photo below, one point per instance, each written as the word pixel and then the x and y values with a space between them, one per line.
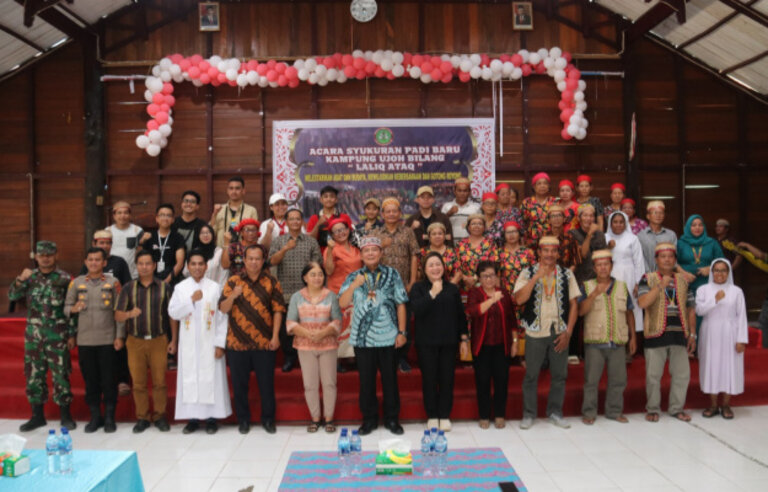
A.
pixel 314 318
pixel 341 259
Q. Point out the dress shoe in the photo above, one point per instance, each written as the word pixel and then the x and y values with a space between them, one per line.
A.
pixel 162 425
pixel 191 427
pixel 367 428
pixel 66 418
pixel 244 428
pixel 404 366
pixel 96 419
pixel 141 426
pixel 394 427
pixel 211 426
pixel 269 426
pixel 109 419
pixel 37 419
pixel 341 368
pixel 290 362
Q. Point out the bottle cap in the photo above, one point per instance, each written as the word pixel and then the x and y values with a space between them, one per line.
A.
pixel 354 432
pixel 52 431
pixel 426 432
pixel 441 433
pixel 434 429
pixel 64 430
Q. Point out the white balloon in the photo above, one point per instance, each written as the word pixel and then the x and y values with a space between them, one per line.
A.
pixel 495 76
pixel 156 70
pixel 178 78
pixel 322 81
pixel 148 95
pixel 581 105
pixel 231 74
pixel 582 85
pixel 559 75
pixel 388 53
pixel 157 85
pixel 321 70
pixel 332 74
pixel 516 73
pixel 303 74
pixel 561 63
pixel 466 65
pixel 377 57
pixel 214 60
pixel 555 52
pixel 273 84
pixel 341 78
pixel 455 61
pixel 368 54
pixel 313 78
pixel 415 72
pixel 426 78
pixel 397 57
pixel 574 119
pixel 233 63
pixel 197 83
pixel 142 141
pixel 222 66
pixel 578 112
pixel 578 96
pixel 487 73
pixel 155 136
pixel 386 65
pixel 549 63
pixel 496 66
pixel 163 142
pixel 153 150
pixel 252 76
pixel 507 68
pixel 525 54
pixel 561 86
pixel 476 72
pixel 242 80
pixel 164 129
pixel 543 53
pixel 445 57
pixel 534 59
pixel 475 58
pixel 263 82
pixel 573 130
pixel 581 134
pixel 357 53
pixel 165 63
pixel 310 64
pixel 165 76
pixel 298 64
pixel 174 69
pixel 170 120
pixel 583 123
pixel 398 70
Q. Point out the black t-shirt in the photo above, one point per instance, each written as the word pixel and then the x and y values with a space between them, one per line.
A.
pixel 164 251
pixel 188 230
pixel 117 267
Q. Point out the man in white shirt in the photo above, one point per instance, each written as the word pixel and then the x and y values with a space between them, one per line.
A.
pixel 125 235
pixel 201 381
pixel 459 209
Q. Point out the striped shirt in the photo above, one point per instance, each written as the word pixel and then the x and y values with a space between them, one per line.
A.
pixel 251 317
pixel 314 315
pixel 374 318
pixel 153 302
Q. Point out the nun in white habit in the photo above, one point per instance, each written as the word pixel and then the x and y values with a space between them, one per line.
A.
pixel 201 381
pixel 628 263
pixel 722 338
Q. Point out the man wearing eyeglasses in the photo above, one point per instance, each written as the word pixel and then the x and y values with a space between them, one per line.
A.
pixel 166 246
pixel 188 224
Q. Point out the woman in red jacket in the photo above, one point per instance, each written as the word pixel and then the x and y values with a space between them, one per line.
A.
pixel 494 340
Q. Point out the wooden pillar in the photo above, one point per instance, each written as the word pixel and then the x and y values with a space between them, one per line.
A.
pixel 95 150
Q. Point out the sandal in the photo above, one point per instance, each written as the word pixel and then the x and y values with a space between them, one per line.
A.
pixel 682 416
pixel 588 420
pixel 313 427
pixel 652 417
pixel 330 427
pixel 484 423
pixel 710 412
pixel 622 419
pixel 499 422
pixel 726 412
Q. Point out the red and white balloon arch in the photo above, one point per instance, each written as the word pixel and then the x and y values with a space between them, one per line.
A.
pixel 339 68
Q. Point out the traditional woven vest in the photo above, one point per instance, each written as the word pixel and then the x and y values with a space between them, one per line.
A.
pixel 530 317
pixel 606 321
pixel 656 313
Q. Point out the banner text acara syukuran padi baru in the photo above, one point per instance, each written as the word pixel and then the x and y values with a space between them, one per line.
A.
pixel 380 158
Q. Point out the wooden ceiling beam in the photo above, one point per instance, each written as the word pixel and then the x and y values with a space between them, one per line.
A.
pixel 745 9
pixel 655 16
pixel 21 38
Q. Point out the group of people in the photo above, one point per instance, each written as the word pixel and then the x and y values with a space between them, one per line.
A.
pixel 549 278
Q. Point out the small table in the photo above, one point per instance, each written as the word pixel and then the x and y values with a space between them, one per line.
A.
pixel 92 471
pixel 468 469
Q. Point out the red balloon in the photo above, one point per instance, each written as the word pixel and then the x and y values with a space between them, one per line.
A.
pixel 222 78
pixel 540 68
pixel 360 75
pixel 436 74
pixel 566 114
pixel 504 57
pixel 447 78
pixel 262 69
pixel 158 98
pixel 280 68
pixel 446 67
pixel 574 74
pixel 170 100
pixel 526 69
pixel 293 83
pixel 271 63
pixel 349 71
pixel 359 63
pixel 564 133
pixel 417 60
pixel 347 60
pixel 152 125
pixel 561 105
pixel 485 59
pixel 435 61
pixel 252 64
pixel 407 59
pixel 427 67
pixel 272 75
pixel 152 109
pixel 167 88
pixel 379 72
pixel 195 59
pixel 464 76
pixel 163 107
pixel 370 67
pixel 291 72
pixel 571 84
pixel 391 76
pixel 232 83
pixel 161 117
pixel 193 72
pixel 213 73
pixel 516 60
pixel 567 56
pixel 184 65
pixel 176 58
pixel 329 62
pixel 215 82
pixel 282 81
pixel 566 95
pixel 205 78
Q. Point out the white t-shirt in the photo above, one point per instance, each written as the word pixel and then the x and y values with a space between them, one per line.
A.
pixel 459 219
pixel 275 230
pixel 125 242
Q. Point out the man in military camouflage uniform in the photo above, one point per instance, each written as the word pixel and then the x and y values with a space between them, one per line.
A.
pixel 49 335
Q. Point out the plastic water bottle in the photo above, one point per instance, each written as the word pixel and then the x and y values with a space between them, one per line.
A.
pixel 65 451
pixel 441 453
pixel 52 451
pixel 343 453
pixel 356 452
pixel 426 454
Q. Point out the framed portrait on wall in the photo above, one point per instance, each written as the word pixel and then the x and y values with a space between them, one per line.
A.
pixel 209 16
pixel 523 15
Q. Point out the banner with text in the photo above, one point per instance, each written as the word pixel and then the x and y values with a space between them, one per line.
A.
pixel 380 158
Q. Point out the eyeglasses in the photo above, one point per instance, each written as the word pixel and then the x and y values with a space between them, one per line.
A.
pixel 339 232
pixel 165 216
pixel 250 229
pixel 189 200
pixel 488 275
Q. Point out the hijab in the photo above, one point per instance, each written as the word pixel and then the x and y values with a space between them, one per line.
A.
pixel 728 282
pixel 207 249
pixel 689 238
pixel 618 237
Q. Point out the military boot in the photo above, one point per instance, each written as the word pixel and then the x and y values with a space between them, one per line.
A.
pixel 109 418
pixel 96 420
pixel 37 419
pixel 66 418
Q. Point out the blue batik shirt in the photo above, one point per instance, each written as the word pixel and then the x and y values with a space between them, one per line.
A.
pixel 374 318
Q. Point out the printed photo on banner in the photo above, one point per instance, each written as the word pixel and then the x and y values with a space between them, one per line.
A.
pixel 209 16
pixel 523 18
pixel 380 158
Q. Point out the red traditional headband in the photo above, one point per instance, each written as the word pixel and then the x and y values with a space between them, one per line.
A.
pixel 341 219
pixel 628 200
pixel 501 186
pixel 566 182
pixel 583 177
pixel 538 176
pixel 246 222
pixel 511 223
pixel 619 186
pixel 489 195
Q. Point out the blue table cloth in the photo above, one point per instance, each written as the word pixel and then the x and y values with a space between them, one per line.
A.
pixel 114 471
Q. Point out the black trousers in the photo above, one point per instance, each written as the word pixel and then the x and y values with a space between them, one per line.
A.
pixel 262 363
pixel 122 374
pixel 286 342
pixel 369 361
pixel 97 363
pixel 402 352
pixel 438 364
pixel 491 363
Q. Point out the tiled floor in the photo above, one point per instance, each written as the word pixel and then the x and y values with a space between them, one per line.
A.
pixel 707 454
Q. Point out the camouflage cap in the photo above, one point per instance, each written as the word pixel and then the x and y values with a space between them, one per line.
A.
pixel 45 248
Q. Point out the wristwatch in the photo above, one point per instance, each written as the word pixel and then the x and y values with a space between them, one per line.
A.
pixel 402 333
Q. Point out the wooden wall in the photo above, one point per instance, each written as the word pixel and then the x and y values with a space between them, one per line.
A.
pixel 692 129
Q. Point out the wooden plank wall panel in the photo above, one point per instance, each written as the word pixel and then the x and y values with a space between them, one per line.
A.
pixel 512 120
pixel 661 183
pixel 397 29
pixel 14 222
pixel 15 125
pixel 143 198
pixel 237 128
pixel 171 188
pixel 395 98
pixel 189 149
pixel 756 118
pixel 59 210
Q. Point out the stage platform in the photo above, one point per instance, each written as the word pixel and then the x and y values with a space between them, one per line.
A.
pixel 291 406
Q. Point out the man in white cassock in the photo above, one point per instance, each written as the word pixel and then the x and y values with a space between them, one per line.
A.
pixel 201 383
